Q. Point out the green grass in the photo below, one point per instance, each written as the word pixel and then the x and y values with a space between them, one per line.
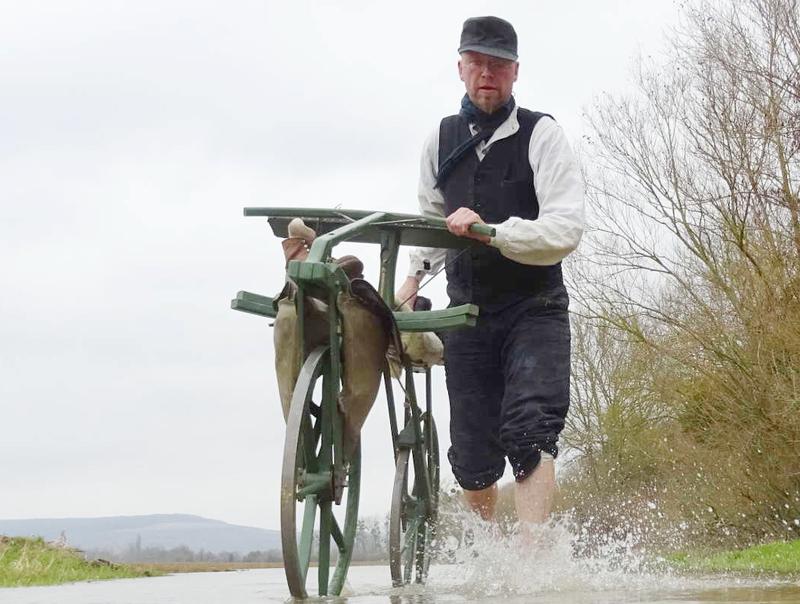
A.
pixel 26 562
pixel 781 557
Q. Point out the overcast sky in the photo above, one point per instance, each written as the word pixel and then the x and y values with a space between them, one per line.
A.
pixel 131 136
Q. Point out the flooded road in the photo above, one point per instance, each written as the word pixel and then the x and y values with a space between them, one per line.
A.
pixel 493 567
pixel 370 584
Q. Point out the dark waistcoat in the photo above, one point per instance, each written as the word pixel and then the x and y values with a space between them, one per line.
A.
pixel 496 188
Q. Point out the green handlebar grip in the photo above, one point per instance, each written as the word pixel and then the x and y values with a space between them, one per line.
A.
pixel 477 228
pixel 483 229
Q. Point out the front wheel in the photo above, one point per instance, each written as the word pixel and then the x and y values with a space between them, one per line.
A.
pixel 309 486
pixel 412 521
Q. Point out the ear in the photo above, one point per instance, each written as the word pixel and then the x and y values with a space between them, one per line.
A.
pixel 460 71
pixel 516 71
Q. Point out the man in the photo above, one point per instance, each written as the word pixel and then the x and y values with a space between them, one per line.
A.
pixel 507 377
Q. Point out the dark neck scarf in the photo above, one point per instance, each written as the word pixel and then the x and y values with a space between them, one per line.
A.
pixel 486 123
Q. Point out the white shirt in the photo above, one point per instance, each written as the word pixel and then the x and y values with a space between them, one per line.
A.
pixel 559 190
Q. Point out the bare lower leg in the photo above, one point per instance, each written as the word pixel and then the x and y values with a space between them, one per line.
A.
pixel 533 497
pixel 482 502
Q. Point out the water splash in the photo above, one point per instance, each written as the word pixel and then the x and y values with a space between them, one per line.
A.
pixel 488 561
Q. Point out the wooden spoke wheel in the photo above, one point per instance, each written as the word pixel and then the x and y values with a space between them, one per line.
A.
pixel 310 487
pixel 413 515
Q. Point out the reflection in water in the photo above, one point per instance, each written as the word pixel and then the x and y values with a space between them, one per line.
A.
pixel 415 599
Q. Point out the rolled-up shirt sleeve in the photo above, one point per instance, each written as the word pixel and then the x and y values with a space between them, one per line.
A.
pixel 559 189
pixel 423 260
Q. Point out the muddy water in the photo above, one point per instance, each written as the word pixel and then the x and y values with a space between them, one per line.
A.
pixel 368 584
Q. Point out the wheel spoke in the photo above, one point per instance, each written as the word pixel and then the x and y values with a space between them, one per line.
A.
pixel 309 445
pixel 409 503
pixel 410 540
pixel 307 534
pixel 411 533
pixel 324 547
pixel 421 553
pixel 317 434
pixel 336 533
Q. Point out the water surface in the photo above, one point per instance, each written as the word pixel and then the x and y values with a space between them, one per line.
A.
pixel 555 564
pixel 371 584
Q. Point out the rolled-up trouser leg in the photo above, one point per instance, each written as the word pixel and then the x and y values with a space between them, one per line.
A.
pixel 536 364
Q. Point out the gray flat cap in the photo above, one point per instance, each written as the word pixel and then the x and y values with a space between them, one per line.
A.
pixel 490 36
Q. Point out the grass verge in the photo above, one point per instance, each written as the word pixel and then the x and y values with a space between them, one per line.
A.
pixel 781 557
pixel 25 562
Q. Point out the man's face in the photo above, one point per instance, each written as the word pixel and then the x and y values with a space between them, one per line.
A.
pixel 488 79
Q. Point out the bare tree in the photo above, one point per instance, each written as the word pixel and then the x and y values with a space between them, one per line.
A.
pixel 694 184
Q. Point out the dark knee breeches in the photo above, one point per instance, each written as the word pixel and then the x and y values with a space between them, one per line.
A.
pixel 508 381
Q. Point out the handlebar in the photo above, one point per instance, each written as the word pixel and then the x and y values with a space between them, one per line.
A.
pixel 334 226
pixel 413 229
pixel 477 228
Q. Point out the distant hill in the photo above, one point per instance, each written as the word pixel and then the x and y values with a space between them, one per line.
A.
pixel 156 530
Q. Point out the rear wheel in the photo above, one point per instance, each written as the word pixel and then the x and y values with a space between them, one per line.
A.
pixel 310 518
pixel 412 521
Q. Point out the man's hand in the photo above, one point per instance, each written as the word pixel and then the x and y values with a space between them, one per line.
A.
pixel 407 294
pixel 459 222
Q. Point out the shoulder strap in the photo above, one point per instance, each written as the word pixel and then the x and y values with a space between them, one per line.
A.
pixel 452 130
